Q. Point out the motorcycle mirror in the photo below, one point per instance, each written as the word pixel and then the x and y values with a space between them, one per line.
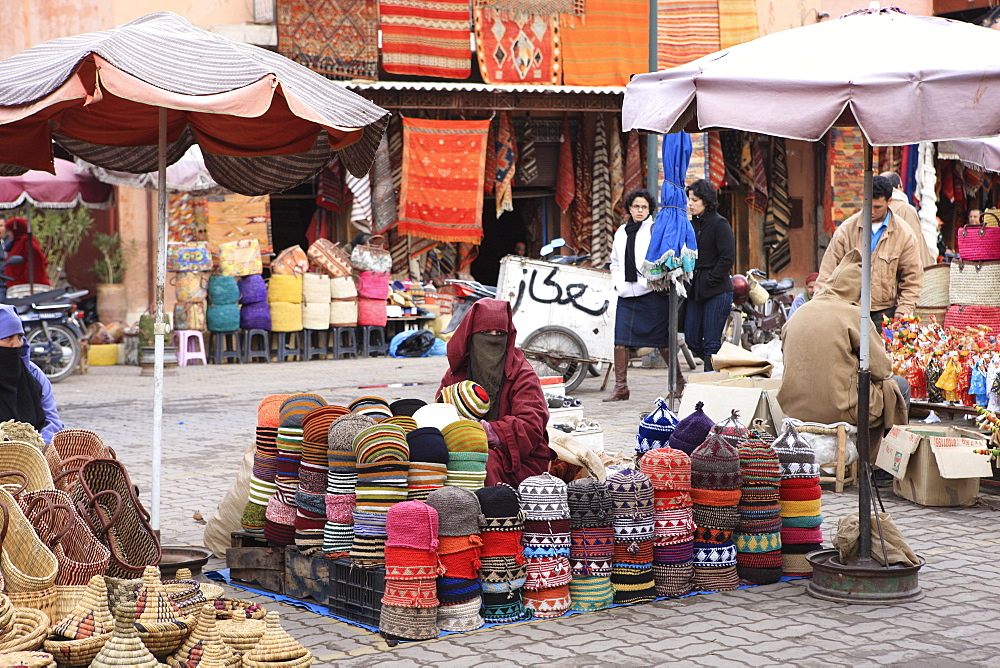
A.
pixel 558 242
pixel 13 260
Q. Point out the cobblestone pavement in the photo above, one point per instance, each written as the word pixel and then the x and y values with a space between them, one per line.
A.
pixel 209 419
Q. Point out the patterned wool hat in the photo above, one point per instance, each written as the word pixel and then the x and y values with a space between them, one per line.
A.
pixel 269 410
pixel 759 567
pixel 592 550
pixel 436 415
pixel 547 572
pixel 456 590
pixel 667 469
pixel 470 480
pixel 409 592
pixel 465 436
pixel 673 580
pixel 458 511
pixel 412 524
pixel 631 495
pixel 796 457
pixel 427 444
pixel 406 423
pixel 422 478
pixel 406 406
pixel 590 593
pixel 759 463
pixel 692 430
pixel 381 443
pixel 543 497
pixel 590 503
pixel 405 563
pixel 315 433
pixel 731 429
pixel 408 623
pixel 470 399
pixel 376 408
pixel 295 407
pixel 548 603
pixel 655 428
pixel 715 464
pixel 499 501
pixel 462 616
pixel 340 438
pixel 505 608
pixel 633 585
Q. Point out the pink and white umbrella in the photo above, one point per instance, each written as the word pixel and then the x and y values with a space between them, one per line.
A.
pixel 63 190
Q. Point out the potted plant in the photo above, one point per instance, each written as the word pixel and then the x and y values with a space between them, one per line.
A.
pixel 110 271
pixel 59 233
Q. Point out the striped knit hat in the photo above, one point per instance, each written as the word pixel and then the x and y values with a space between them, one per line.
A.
pixel 376 408
pixel 631 495
pixel 470 399
pixel 543 497
pixel 407 423
pixel 548 603
pixel 590 593
pixel 655 429
pixel 315 434
pixel 427 444
pixel 269 410
pixel 381 443
pixel 412 524
pixel 731 429
pixel 295 407
pixel 715 464
pixel 759 463
pixel 465 436
pixel 458 511
pixel 667 468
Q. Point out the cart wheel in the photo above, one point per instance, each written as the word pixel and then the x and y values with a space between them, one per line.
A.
pixel 733 331
pixel 550 349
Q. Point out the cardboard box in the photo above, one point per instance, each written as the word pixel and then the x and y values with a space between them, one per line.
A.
pixel 942 470
pixel 754 398
pixel 895 450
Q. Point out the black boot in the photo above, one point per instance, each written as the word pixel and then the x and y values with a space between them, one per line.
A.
pixel 708 363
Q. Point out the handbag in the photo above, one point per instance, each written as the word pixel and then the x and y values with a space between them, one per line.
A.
pixel 980 242
pixel 290 262
pixel 330 257
pixel 188 256
pixel 372 256
pixel 372 312
pixel 975 283
pixel 190 286
pixel 240 258
pixel 373 285
pixel 937 280
pixel 190 315
pixel 343 288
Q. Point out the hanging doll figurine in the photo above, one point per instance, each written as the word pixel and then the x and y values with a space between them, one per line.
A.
pixel 915 377
pixel 993 382
pixel 948 380
pixel 977 384
pixel 934 393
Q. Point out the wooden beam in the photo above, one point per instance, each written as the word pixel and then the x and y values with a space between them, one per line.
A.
pixel 951 6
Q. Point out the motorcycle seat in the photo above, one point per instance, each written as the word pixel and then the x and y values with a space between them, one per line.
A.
pixel 37 298
pixel 773 287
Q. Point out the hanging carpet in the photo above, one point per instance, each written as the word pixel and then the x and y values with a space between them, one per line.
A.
pixel 845 171
pixel 602 216
pixel 338 38
pixel 330 186
pixel 633 164
pixel 506 148
pixel 442 193
pixel 581 202
pixel 616 163
pixel 361 205
pixel 565 181
pixel 608 45
pixel 737 22
pixel 716 162
pixel 383 193
pixel 427 38
pixel 779 209
pixel 490 168
pixel 522 48
pixel 689 29
pixel 574 7
pixel 529 160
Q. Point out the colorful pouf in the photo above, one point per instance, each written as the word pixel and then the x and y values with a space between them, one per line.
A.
pixel 758 534
pixel 669 471
pixel 715 493
pixel 655 429
pixel 800 499
pixel 632 511
pixel 692 430
pixel 411 570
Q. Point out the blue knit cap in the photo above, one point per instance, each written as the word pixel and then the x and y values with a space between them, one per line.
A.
pixel 10 324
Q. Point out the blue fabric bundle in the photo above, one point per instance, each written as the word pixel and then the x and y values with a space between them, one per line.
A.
pixel 253 289
pixel 222 290
pixel 223 317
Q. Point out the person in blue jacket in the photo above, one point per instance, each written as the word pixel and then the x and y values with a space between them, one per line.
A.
pixel 25 392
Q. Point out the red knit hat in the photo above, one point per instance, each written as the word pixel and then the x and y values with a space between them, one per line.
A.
pixel 412 524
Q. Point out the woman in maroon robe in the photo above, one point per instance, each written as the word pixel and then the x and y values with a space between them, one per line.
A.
pixel 482 350
pixel 18 228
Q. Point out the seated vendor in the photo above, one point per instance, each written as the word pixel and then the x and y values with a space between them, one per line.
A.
pixel 821 352
pixel 482 350
pixel 25 392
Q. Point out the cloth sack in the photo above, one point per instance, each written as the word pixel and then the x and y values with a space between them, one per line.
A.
pixel 896 547
pixel 738 361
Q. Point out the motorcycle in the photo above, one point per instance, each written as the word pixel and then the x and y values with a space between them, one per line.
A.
pixel 53 327
pixel 760 309
pixel 548 253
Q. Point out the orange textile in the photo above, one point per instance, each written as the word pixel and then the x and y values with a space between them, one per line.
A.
pixel 608 45
pixel 441 197
pixel 426 37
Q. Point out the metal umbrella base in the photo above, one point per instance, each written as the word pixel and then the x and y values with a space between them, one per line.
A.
pixel 868 583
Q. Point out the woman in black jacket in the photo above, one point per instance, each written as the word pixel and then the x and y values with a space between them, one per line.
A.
pixel 710 296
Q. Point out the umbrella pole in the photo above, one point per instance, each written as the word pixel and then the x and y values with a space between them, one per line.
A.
pixel 158 329
pixel 31 255
pixel 864 372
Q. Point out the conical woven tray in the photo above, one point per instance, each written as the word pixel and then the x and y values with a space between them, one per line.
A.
pixel 276 647
pixel 204 646
pixel 240 633
pixel 28 631
pixel 91 616
pixel 208 590
pixel 27 660
pixel 124 648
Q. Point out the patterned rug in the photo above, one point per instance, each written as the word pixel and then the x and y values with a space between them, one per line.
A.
pixel 616 162
pixel 608 45
pixel 383 193
pixel 583 178
pixel 187 218
pixel 574 7
pixel 442 193
pixel 601 212
pixel 737 22
pixel 426 37
pixel 506 146
pixel 521 48
pixel 633 164
pixel 565 181
pixel 338 38
pixel 779 210
pixel 689 29
pixel 845 172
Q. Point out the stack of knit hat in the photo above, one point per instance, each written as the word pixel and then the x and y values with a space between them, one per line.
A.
pixel 341 478
pixel 376 408
pixel 410 603
pixel 468 451
pixel 310 497
pixel 546 541
pixel 715 493
pixel 502 569
pixel 692 430
pixel 592 544
pixel 669 471
pixel 383 462
pixel 470 399
pixel 632 508
pixel 655 428
pixel 459 547
pixel 262 485
pixel 428 462
pixel 758 534
pixel 279 525
pixel 801 516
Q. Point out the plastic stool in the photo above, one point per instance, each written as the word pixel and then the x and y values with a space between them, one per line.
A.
pixel 314 343
pixel 283 347
pixel 372 341
pixel 263 352
pixel 190 344
pixel 343 342
pixel 226 346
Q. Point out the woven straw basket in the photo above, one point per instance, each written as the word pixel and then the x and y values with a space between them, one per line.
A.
pixel 974 283
pixel 61 527
pixel 123 648
pixel 935 291
pixel 230 608
pixel 240 633
pixel 973 316
pixel 925 313
pixel 27 460
pixel 78 636
pixel 27 660
pixel 27 632
pixel 277 646
pixel 27 563
pixel 204 646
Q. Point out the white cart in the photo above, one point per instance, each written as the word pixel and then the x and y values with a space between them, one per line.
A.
pixel 564 315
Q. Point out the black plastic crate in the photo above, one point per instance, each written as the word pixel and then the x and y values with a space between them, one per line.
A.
pixel 356 593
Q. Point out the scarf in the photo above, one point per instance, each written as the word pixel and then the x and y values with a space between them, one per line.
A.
pixel 20 393
pixel 487 354
pixel 631 272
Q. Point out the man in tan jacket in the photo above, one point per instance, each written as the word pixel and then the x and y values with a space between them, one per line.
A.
pixel 897 272
pixel 901 207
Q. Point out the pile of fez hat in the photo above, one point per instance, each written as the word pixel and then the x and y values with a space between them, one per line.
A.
pixel 502 566
pixel 262 486
pixel 592 544
pixel 459 551
pixel 758 534
pixel 632 508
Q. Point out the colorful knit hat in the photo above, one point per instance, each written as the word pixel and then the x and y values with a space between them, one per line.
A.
pixel 692 430
pixel 465 436
pixel 436 415
pixel 427 444
pixel 295 407
pixel 381 443
pixel 344 429
pixel 759 463
pixel 406 423
pixel 422 478
pixel 731 429
pixel 667 468
pixel 412 524
pixel 548 603
pixel 458 511
pixel 631 495
pixel 715 464
pixel 470 399
pixel 376 408
pixel 269 410
pixel 505 608
pixel 590 593
pixel 406 406
pixel 590 504
pixel 543 497
pixel 408 623
pixel 462 616
pixel 499 501
pixel 796 457
pixel 655 428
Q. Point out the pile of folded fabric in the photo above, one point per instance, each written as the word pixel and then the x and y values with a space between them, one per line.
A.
pixel 459 550
pixel 592 544
pixel 800 497
pixel 546 541
pixel 655 428
pixel 265 455
pixel 468 451
pixel 410 603
pixel 502 571
pixel 669 471
pixel 758 534
pixel 428 462
pixel 279 524
pixel 341 479
pixel 383 458
pixel 715 493
pixel 632 510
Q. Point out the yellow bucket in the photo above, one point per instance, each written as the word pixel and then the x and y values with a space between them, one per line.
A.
pixel 103 355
